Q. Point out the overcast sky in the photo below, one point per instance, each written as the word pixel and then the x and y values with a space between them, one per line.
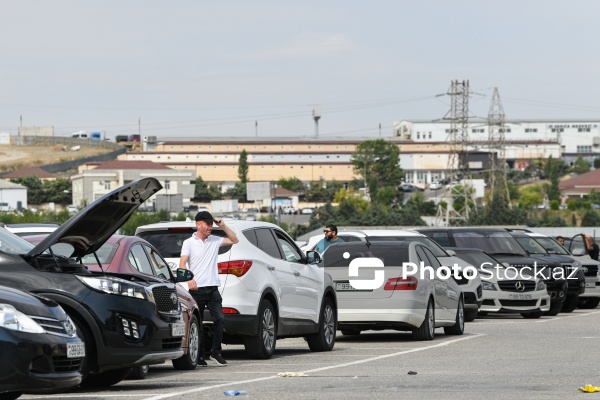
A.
pixel 242 68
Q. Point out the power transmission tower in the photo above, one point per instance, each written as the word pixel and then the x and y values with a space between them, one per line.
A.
pixel 458 166
pixel 497 149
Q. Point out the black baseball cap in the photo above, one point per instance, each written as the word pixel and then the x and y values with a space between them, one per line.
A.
pixel 204 216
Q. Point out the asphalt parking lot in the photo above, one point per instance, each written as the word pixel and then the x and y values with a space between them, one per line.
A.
pixel 499 356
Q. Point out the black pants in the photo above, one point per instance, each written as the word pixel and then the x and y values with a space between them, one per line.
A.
pixel 211 298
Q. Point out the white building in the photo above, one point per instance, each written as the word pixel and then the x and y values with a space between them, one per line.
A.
pixel 12 196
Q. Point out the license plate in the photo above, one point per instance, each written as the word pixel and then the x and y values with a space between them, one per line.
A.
pixel 591 284
pixel 75 350
pixel 347 287
pixel 178 329
pixel 519 296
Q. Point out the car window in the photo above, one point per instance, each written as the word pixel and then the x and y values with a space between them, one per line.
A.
pixel 266 242
pixel 137 257
pixel 105 254
pixel 430 244
pixel 549 243
pixel 442 238
pixel 433 261
pixel 289 250
pixel 341 256
pixel 167 242
pixel 422 256
pixel 160 266
pixel 490 242
pixel 530 245
pixel 11 243
pixel 250 234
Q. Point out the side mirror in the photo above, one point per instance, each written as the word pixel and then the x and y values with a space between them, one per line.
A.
pixel 184 275
pixel 313 257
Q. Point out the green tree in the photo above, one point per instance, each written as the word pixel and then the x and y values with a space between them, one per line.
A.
pixel 238 191
pixel 202 192
pixel 531 196
pixel 590 218
pixel 551 171
pixel 580 166
pixel 35 194
pixel 243 166
pixel 377 161
pixel 294 184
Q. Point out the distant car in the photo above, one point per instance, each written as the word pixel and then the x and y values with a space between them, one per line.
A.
pixel 26 229
pixel 250 217
pixel 72 209
pixel 407 187
pixel 289 210
pixel 307 210
pixel 39 345
pixel 435 186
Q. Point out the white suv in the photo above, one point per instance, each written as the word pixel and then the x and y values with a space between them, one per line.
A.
pixel 270 289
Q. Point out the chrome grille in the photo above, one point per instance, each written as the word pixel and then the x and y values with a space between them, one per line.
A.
pixel 510 286
pixel 50 325
pixel 590 270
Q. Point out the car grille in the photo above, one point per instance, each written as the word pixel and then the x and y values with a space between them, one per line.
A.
pixel 518 303
pixel 58 364
pixel 590 270
pixel 51 325
pixel 511 286
pixel 64 364
pixel 164 300
pixel 171 343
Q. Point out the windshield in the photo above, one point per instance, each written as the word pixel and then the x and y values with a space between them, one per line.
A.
pixel 11 243
pixel 551 245
pixel 477 258
pixel 490 242
pixel 530 245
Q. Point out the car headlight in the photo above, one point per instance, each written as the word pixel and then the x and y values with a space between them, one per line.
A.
pixel 540 285
pixel 113 285
pixel 11 318
pixel 485 285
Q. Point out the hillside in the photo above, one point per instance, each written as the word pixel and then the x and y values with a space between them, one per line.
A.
pixel 13 157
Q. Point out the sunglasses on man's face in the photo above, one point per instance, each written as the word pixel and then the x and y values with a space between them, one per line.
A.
pixel 326 231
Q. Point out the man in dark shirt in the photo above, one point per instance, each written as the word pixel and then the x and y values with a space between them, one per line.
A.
pixel 592 247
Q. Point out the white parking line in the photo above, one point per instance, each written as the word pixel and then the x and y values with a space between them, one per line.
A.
pixel 232 384
pixel 536 321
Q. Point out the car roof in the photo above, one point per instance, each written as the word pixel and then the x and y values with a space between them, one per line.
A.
pixel 237 224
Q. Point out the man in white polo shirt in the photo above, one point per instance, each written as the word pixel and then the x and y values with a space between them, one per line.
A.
pixel 201 252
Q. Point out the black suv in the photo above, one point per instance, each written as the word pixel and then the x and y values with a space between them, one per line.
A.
pixel 534 246
pixel 124 320
pixel 501 245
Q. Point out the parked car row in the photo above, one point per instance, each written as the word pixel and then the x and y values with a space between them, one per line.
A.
pixel 115 304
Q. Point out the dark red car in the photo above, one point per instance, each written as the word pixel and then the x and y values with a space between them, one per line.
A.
pixel 132 255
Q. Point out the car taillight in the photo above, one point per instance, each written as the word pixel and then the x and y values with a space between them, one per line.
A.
pixel 408 283
pixel 229 310
pixel 237 268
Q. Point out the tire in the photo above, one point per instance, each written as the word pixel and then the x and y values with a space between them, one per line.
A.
pixel 459 326
pixel 324 339
pixel 554 309
pixel 470 315
pixel 589 303
pixel 570 304
pixel 189 360
pixel 427 329
pixel 106 379
pixel 532 315
pixel 262 345
pixel 350 332
pixel 138 373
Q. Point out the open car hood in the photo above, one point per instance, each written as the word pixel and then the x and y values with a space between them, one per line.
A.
pixel 87 230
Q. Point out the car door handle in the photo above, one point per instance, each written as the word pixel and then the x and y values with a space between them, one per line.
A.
pixel 271 268
pixel 296 273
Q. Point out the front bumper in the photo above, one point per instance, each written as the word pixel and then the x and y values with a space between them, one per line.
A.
pixel 500 301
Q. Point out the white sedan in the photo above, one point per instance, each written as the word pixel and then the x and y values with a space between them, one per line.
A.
pixel 397 297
